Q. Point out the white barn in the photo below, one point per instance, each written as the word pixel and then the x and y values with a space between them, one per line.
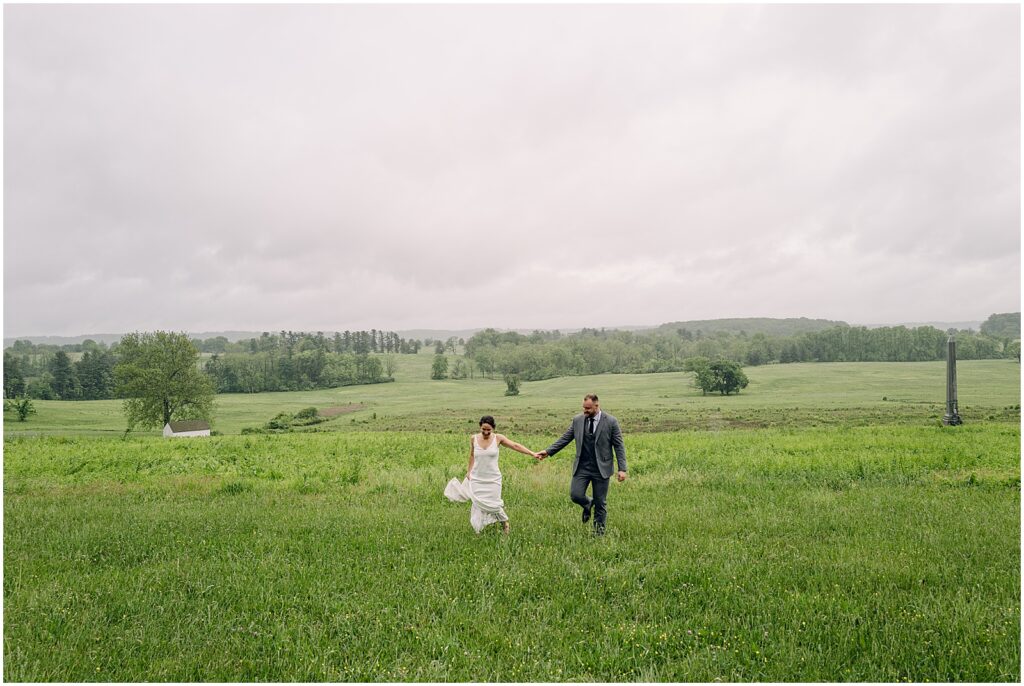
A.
pixel 186 429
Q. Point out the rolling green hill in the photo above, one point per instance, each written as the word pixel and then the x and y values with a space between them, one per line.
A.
pixel 752 325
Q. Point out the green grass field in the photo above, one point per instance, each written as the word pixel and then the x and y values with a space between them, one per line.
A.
pixel 837 394
pixel 805 530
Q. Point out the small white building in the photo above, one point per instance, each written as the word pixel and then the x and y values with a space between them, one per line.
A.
pixel 185 429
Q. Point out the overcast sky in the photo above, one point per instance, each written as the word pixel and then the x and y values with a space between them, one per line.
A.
pixel 209 168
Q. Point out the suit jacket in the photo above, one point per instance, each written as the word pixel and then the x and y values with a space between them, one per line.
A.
pixel 607 437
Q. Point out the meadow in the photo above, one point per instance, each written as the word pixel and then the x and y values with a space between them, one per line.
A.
pixel 805 530
pixel 799 395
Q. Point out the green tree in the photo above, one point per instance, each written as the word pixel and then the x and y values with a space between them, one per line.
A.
pixel 728 377
pixel 511 384
pixel 360 344
pixel 95 372
pixel 1006 325
pixel 702 376
pixel 439 369
pixel 704 379
pixel 41 388
pixel 760 351
pixel 460 369
pixel 389 365
pixel 159 376
pixel 1013 351
pixel 369 369
pixel 724 376
pixel 20 347
pixel 14 376
pixel 65 381
pixel 790 353
pixel 484 359
pixel 23 406
pixel 215 345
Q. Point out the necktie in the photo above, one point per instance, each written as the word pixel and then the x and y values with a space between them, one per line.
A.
pixel 590 425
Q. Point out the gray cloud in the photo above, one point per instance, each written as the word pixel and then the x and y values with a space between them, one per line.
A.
pixel 321 167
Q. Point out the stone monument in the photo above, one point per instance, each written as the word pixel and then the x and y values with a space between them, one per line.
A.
pixel 952 416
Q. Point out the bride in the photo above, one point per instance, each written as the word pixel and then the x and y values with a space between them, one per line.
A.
pixel 482 485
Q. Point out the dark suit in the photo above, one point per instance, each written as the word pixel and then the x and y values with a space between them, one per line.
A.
pixel 593 463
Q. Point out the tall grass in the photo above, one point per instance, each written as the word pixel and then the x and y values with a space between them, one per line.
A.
pixel 878 553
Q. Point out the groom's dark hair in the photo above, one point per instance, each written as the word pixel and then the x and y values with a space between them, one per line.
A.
pixel 590 396
pixel 488 419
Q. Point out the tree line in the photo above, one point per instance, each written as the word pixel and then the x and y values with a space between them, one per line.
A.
pixel 272 362
pixel 1005 326
pixel 55 377
pixel 545 355
pixel 358 342
pixel 298 371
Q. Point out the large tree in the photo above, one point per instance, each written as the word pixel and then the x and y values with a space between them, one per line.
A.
pixel 95 373
pixel 702 376
pixel 439 368
pixel 65 381
pixel 159 376
pixel 724 376
pixel 14 376
pixel 728 377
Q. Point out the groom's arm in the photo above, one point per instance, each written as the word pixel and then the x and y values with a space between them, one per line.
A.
pixel 618 445
pixel 561 442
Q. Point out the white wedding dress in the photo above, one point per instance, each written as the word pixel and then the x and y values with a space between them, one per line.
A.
pixel 482 488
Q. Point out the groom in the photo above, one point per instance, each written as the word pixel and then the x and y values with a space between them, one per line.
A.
pixel 596 434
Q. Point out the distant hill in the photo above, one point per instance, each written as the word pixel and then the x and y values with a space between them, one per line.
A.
pixel 1000 325
pixel 752 325
pixel 1005 325
pixel 941 326
pixel 445 334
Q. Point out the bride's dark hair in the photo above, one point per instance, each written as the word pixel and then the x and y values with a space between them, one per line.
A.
pixel 488 419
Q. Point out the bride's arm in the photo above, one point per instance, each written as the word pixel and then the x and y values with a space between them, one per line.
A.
pixel 504 440
pixel 472 457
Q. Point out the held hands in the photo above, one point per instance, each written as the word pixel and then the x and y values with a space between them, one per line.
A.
pixel 541 455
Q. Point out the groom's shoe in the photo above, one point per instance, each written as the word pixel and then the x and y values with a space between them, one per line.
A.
pixel 586 514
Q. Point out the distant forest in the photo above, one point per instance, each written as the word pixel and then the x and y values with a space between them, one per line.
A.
pixel 290 361
pixel 751 325
pixel 544 355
